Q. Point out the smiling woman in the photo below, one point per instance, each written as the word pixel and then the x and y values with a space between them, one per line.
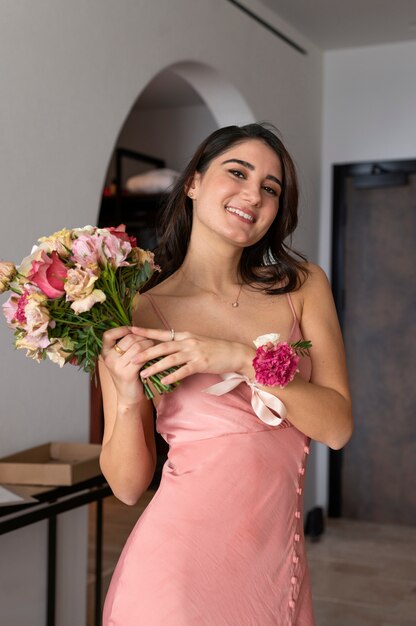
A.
pixel 244 189
pixel 258 262
pixel 222 541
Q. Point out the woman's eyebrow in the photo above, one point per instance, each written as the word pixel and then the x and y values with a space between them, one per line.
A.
pixel 252 168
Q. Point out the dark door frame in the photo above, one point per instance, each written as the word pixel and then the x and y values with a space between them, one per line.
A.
pixel 370 174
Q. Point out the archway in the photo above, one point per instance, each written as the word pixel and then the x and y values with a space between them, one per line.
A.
pixel 180 106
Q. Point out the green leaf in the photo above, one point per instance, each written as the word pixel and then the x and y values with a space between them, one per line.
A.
pixel 302 346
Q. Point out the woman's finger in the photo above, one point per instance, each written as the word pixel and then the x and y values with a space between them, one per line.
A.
pixel 159 334
pixel 173 360
pixel 126 342
pixel 156 351
pixel 178 375
pixel 121 342
pixel 114 334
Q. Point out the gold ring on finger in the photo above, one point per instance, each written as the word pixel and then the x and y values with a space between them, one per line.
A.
pixel 118 349
pixel 172 334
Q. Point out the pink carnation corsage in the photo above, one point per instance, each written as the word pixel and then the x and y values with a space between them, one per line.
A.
pixel 276 362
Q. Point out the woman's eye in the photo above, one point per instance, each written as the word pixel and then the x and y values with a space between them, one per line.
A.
pixel 270 190
pixel 237 173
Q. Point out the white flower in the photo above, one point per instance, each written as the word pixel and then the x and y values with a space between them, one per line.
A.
pixel 263 339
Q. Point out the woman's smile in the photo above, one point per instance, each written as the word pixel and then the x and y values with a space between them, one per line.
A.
pixel 243 214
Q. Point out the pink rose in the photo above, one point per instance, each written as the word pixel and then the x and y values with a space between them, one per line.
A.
pixel 49 274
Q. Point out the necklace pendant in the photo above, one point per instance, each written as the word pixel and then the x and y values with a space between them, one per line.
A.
pixel 235 305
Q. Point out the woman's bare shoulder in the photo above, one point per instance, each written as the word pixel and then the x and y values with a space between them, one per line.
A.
pixel 314 283
pixel 316 279
pixel 144 313
pixel 316 293
pixel 314 273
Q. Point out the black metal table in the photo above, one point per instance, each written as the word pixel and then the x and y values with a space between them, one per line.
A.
pixel 48 505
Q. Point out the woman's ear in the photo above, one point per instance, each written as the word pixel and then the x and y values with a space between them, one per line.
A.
pixel 192 188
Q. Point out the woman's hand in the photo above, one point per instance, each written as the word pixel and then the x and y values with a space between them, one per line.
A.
pixel 191 354
pixel 122 355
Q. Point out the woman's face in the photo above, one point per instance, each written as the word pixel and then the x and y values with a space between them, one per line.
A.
pixel 237 197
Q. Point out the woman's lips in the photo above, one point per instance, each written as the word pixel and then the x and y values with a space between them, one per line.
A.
pixel 244 214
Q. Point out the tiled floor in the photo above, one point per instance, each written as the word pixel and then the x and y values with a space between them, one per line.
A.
pixel 362 574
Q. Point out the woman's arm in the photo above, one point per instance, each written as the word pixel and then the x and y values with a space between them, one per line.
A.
pixel 320 408
pixel 128 455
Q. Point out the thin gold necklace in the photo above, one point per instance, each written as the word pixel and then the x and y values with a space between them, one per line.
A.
pixel 234 304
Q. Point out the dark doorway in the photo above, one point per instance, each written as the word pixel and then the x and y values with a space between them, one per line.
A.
pixel 374 281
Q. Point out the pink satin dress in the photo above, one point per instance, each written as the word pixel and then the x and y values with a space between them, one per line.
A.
pixel 221 543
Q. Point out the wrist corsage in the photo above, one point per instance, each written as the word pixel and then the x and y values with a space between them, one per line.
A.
pixel 275 363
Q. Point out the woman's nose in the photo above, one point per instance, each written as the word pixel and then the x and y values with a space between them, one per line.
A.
pixel 252 194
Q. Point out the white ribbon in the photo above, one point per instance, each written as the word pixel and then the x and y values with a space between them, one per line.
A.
pixel 260 399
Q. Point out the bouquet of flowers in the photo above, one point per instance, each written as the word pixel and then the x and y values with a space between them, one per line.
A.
pixel 75 285
pixel 276 362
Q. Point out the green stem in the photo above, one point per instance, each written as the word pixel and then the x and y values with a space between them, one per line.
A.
pixel 110 278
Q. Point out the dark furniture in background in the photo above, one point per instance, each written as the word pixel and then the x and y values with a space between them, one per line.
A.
pixel 49 504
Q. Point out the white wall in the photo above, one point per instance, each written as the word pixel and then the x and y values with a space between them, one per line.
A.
pixel 169 133
pixel 70 73
pixel 368 114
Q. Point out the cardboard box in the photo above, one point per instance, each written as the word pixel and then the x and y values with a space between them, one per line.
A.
pixel 56 463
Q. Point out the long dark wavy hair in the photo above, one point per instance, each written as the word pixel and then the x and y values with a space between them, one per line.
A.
pixel 269 265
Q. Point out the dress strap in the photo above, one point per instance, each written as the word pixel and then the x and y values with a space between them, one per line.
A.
pixel 292 308
pixel 157 310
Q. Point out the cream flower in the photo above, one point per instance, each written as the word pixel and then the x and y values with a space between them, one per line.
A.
pixel 26 264
pixel 85 230
pixel 85 304
pixel 7 273
pixel 79 283
pixel 36 296
pixel 269 338
pixel 59 350
pixel 33 351
pixel 37 321
pixel 61 241
pixel 139 257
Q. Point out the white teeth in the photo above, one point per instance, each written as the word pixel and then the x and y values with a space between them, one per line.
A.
pixel 231 209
